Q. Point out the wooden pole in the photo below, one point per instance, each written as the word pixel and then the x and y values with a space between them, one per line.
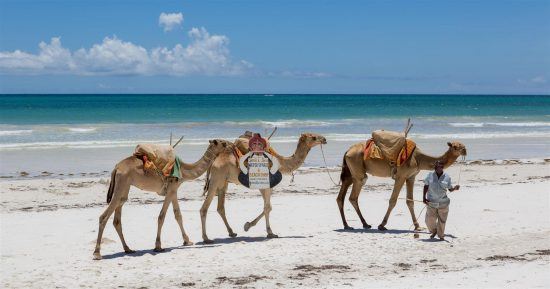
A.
pixel 177 142
pixel 272 133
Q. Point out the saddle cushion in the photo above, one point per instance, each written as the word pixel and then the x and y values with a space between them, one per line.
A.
pixel 389 145
pixel 389 142
pixel 160 158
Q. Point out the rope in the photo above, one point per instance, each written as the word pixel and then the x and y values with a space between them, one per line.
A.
pixel 418 217
pixel 460 168
pixel 326 167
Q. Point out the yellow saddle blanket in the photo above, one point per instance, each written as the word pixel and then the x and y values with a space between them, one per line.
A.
pixel 372 151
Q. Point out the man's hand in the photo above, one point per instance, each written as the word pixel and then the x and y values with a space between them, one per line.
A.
pixel 457 187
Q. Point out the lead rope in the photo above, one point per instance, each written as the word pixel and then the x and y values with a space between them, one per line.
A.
pixel 326 167
pixel 460 168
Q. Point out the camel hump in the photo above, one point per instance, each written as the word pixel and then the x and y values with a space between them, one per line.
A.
pixel 159 157
pixel 242 145
pixel 389 142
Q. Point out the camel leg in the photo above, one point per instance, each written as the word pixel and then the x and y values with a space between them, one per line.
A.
pixel 353 198
pixel 177 215
pixel 340 201
pixel 410 202
pixel 120 187
pixel 204 212
pixel 162 215
pixel 102 222
pixel 266 194
pixel 221 211
pixel 393 200
pixel 249 225
pixel 118 226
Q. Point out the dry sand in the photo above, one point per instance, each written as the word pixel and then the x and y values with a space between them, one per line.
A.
pixel 498 236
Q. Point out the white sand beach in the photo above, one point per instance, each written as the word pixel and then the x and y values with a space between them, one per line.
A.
pixel 498 235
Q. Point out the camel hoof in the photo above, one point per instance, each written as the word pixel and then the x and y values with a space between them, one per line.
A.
pixel 188 243
pixel 208 241
pixel 366 226
pixel 97 256
pixel 382 228
pixel 159 250
pixel 271 236
pixel 129 251
pixel 246 226
pixel 233 235
pixel 348 228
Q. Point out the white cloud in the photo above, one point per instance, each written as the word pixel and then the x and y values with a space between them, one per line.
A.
pixel 170 21
pixel 299 74
pixel 538 79
pixel 206 54
pixel 535 80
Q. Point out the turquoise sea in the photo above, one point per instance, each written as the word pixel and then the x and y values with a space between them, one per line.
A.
pixel 68 125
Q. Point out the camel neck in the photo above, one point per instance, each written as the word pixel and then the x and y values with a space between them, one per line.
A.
pixel 292 163
pixel 426 162
pixel 196 169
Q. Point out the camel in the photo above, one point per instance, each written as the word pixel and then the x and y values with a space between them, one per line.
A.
pixel 355 169
pixel 129 172
pixel 225 170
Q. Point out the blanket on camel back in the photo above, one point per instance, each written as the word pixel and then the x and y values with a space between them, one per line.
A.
pixel 390 145
pixel 160 159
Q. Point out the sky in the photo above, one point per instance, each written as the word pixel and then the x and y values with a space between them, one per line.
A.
pixel 295 46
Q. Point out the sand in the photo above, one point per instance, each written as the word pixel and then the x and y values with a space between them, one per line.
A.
pixel 498 235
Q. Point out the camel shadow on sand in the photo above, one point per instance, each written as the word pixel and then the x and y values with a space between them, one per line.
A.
pixel 139 253
pixel 198 245
pixel 376 231
pixel 248 240
pixel 392 231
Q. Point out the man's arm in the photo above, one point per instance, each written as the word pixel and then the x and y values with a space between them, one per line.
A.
pixel 424 199
pixel 455 188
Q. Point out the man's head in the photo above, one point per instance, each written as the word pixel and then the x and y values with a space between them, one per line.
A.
pixel 438 166
pixel 257 143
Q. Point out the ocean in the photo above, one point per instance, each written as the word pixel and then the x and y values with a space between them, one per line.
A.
pixel 89 132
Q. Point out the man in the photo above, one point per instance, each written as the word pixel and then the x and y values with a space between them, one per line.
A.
pixel 435 197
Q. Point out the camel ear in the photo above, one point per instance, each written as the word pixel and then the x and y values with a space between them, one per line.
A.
pixel 210 141
pixel 215 142
pixel 449 144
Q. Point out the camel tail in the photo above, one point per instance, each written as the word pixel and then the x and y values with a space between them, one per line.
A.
pixel 111 186
pixel 346 173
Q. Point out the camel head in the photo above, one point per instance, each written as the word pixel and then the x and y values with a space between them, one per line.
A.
pixel 219 145
pixel 312 139
pixel 457 148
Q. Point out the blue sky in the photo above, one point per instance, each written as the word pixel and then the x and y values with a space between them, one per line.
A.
pixel 274 46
